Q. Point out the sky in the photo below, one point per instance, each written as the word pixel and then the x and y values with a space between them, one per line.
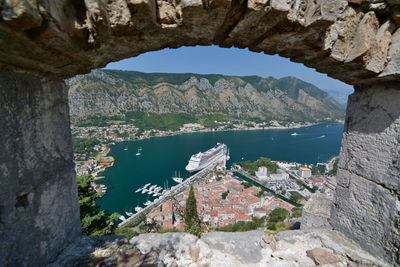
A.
pixel 228 61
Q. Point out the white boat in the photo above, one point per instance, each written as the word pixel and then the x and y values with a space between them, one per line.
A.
pixel 177 179
pixel 294 134
pixel 137 209
pixel 129 214
pixel 202 160
pixel 125 148
pixel 147 203
pixel 122 218
pixel 138 190
pixel 146 185
pixel 322 136
pixel 145 191
pixel 152 187
pixel 138 153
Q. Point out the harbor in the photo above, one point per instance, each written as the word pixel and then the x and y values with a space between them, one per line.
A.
pixel 168 194
pixel 161 157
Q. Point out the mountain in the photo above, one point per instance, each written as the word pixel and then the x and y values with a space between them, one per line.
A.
pixel 110 92
pixel 340 95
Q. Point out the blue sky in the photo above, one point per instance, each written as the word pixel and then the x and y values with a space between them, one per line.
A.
pixel 230 61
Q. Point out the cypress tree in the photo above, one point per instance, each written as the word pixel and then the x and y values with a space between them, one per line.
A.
pixel 192 220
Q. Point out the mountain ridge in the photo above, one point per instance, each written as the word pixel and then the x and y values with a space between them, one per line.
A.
pixel 110 92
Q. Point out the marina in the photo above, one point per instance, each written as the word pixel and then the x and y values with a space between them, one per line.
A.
pixel 167 156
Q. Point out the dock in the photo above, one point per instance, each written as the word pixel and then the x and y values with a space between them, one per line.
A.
pixel 168 195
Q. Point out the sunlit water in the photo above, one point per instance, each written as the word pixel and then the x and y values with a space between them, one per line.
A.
pixel 162 156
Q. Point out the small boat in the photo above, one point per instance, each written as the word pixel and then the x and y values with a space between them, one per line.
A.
pixel 146 185
pixel 294 134
pixel 125 148
pixel 322 136
pixel 137 209
pixel 152 187
pixel 138 153
pixel 147 203
pixel 177 179
pixel 145 191
pixel 138 190
pixel 129 214
pixel 122 218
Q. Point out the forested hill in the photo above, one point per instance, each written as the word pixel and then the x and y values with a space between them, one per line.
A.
pixel 111 92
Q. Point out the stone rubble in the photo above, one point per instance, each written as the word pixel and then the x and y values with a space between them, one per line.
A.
pixel 218 249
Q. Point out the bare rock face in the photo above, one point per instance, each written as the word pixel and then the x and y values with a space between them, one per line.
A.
pixel 317 212
pixel 219 249
pixel 344 39
pixel 367 207
pixel 39 212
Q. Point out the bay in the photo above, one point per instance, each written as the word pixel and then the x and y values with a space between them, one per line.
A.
pixel 162 156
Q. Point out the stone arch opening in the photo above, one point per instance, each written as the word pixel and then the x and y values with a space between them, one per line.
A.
pixel 43 42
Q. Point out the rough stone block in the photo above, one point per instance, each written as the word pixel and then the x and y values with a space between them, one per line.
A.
pixel 39 212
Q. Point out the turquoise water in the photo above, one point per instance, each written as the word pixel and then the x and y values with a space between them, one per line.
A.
pixel 162 156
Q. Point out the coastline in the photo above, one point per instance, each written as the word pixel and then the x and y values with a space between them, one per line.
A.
pixel 176 133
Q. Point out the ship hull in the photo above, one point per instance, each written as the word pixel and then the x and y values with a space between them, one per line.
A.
pixel 203 166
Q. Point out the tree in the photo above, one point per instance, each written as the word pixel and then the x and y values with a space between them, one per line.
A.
pixel 225 194
pixel 296 212
pixel 278 215
pixel 192 220
pixel 295 197
pixel 94 221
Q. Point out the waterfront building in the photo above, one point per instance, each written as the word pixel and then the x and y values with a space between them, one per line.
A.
pixel 304 172
pixel 262 173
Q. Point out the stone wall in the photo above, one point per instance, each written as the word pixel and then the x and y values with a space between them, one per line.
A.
pixel 367 203
pixel 39 212
pixel 355 41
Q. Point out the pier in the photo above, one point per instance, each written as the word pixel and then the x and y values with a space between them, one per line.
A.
pixel 170 193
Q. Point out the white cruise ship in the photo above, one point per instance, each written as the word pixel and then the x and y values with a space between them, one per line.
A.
pixel 202 160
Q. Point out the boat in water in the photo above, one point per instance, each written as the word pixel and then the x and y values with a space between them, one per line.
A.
pixel 137 209
pixel 129 214
pixel 177 177
pixel 322 136
pixel 125 148
pixel 202 160
pixel 138 190
pixel 122 218
pixel 294 134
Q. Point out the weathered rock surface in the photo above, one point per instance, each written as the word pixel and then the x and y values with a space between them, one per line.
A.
pixel 220 249
pixel 39 212
pixel 367 204
pixel 109 92
pixel 354 41
pixel 317 212
pixel 349 40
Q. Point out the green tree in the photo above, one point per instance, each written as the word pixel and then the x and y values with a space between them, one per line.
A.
pixel 225 194
pixel 295 196
pixel 94 221
pixel 192 220
pixel 296 212
pixel 278 215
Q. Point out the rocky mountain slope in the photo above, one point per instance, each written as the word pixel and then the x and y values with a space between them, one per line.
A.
pixel 109 92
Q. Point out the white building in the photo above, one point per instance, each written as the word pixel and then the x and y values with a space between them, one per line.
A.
pixel 262 173
pixel 304 172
